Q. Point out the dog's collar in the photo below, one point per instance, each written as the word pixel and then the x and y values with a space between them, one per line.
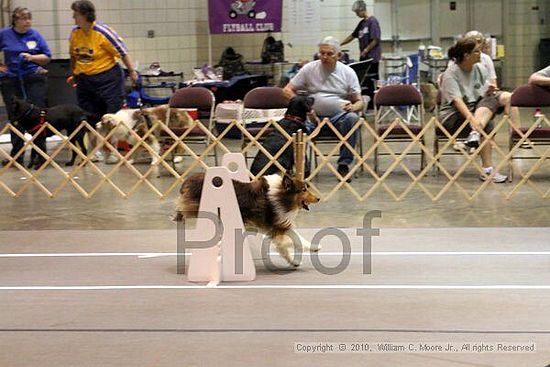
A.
pixel 41 122
pixel 295 119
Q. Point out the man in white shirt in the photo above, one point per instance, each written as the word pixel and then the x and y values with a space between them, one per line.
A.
pixel 337 93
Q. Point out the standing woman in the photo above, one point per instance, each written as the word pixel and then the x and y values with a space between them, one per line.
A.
pixel 369 34
pixel 21 74
pixel 95 49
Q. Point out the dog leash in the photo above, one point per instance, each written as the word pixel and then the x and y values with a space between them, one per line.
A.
pixel 20 61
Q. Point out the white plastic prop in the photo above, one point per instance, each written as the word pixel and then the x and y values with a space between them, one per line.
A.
pixel 222 262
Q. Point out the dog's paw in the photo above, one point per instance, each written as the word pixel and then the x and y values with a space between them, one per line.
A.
pixel 315 248
pixel 35 164
pixel 296 263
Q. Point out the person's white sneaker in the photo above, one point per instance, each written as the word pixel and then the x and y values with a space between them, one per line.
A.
pixel 527 144
pixel 112 159
pixel 473 139
pixel 497 178
pixel 97 157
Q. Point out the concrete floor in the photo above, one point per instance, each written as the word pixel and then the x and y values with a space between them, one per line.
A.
pixel 93 283
pixel 113 298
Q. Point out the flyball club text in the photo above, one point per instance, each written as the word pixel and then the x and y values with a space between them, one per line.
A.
pixel 248 27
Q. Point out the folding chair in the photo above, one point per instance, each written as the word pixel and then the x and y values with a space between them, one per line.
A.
pixel 388 102
pixel 362 68
pixel 204 101
pixel 532 96
pixel 263 99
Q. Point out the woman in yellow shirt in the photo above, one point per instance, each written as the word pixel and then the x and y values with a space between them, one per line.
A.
pixel 95 50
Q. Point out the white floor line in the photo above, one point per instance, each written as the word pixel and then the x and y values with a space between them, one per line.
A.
pixel 274 286
pixel 321 253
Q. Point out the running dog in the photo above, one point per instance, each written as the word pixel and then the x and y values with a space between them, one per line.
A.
pixel 268 203
pixel 140 121
pixel 294 120
pixel 62 117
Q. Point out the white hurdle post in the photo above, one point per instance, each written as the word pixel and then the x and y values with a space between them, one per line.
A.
pixel 222 262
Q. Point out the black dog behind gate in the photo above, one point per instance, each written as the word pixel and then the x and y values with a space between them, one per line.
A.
pixel 294 120
pixel 62 117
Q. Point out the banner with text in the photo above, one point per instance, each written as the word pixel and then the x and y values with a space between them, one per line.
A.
pixel 244 16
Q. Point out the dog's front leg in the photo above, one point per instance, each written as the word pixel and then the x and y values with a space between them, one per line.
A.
pixel 155 145
pixel 283 244
pixel 37 159
pixel 73 154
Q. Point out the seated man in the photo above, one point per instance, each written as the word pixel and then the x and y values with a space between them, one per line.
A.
pixel 337 93
pixel 541 77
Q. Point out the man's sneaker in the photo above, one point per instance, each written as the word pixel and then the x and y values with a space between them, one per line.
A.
pixel 112 159
pixel 97 157
pixel 473 140
pixel 527 144
pixel 344 170
pixel 497 178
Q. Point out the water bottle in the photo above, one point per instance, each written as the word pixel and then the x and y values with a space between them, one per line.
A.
pixel 537 116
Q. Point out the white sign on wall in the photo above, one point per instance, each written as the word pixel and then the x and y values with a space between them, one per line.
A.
pixel 304 21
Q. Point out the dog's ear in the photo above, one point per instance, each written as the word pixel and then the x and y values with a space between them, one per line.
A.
pixel 16 101
pixel 108 120
pixel 288 183
pixel 16 105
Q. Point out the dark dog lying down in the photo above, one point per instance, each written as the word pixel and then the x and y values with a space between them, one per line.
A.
pixel 62 117
pixel 293 121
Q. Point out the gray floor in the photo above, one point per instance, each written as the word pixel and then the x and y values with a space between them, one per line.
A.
pixel 93 283
pixel 113 298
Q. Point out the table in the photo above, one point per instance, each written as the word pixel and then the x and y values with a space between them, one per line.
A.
pixel 232 89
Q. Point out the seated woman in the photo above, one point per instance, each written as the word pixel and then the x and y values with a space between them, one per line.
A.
pixel 541 77
pixel 466 95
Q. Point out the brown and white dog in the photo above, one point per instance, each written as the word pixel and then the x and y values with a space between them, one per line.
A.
pixel 140 121
pixel 268 203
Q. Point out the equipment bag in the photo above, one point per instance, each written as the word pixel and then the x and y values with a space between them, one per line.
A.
pixel 273 51
pixel 232 63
